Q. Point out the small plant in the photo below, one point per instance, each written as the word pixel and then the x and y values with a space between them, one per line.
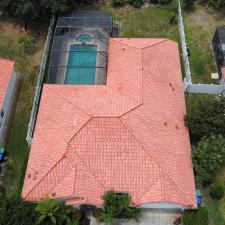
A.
pixel 136 3
pixel 216 192
pixel 118 3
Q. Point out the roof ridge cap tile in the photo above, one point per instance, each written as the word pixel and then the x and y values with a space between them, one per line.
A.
pixel 66 99
pixel 163 172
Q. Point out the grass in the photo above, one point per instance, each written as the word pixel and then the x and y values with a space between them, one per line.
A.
pixel 27 67
pixel 149 22
pixel 200 25
pixel 216 207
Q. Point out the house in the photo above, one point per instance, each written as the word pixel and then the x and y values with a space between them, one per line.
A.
pixel 127 135
pixel 8 82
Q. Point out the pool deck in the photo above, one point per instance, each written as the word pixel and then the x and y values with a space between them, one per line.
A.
pixel 101 60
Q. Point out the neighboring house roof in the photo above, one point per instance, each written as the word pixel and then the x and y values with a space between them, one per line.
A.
pixel 127 135
pixel 6 68
pixel 223 72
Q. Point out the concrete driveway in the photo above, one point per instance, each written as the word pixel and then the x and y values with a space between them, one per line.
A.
pixel 148 217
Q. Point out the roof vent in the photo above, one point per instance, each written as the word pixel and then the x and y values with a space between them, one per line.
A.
pixel 29 176
pixel 123 49
pixel 165 123
pixel 53 194
pixel 177 127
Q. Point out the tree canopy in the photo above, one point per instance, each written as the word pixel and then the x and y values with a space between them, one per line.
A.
pixel 206 119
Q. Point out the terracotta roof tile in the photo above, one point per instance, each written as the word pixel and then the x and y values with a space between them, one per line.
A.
pixel 6 68
pixel 128 135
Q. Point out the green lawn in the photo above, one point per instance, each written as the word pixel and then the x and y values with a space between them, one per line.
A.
pixel 200 25
pixel 27 66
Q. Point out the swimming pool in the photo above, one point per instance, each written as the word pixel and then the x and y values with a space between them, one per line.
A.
pixel 84 38
pixel 81 64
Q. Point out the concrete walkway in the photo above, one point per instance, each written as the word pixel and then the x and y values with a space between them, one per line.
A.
pixel 148 217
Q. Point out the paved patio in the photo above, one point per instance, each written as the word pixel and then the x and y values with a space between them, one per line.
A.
pixel 148 217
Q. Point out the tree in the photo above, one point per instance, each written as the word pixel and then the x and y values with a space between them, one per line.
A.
pixel 206 118
pixel 55 212
pixel 54 6
pixel 208 157
pixel 14 211
pixel 48 209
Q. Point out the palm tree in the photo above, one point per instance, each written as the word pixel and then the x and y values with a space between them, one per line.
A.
pixel 48 209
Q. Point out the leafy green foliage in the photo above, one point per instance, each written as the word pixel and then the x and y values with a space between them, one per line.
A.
pixel 206 119
pixel 54 212
pixel 188 4
pixel 118 3
pixel 216 3
pixel 117 206
pixel 216 192
pixel 195 217
pixel 14 211
pixel 208 157
pixel 136 3
pixel 33 9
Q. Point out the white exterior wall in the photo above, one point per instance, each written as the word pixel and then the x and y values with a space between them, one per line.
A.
pixel 161 205
pixel 6 108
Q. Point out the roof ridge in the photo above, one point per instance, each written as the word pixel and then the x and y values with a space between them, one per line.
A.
pixel 46 174
pixel 128 96
pixel 66 99
pixel 117 40
pixel 158 43
pixel 164 173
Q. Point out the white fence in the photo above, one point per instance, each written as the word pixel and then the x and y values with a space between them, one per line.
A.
pixel 188 86
pixel 39 83
pixel 183 45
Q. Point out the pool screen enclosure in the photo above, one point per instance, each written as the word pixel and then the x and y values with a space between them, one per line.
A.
pixel 80 48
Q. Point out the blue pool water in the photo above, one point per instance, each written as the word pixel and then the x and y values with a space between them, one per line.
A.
pixel 81 56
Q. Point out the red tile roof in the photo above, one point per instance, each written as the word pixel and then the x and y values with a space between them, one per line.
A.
pixel 6 68
pixel 128 135
pixel 223 72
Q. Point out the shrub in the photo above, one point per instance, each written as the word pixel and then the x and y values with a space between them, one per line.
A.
pixel 173 17
pixel 118 3
pixel 117 206
pixel 216 192
pixel 15 211
pixel 206 118
pixel 216 3
pixel 136 3
pixel 208 157
pixel 188 4
pixel 195 217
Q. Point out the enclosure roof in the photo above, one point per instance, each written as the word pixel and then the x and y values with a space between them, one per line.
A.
pixel 86 19
pixel 6 68
pixel 127 135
